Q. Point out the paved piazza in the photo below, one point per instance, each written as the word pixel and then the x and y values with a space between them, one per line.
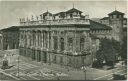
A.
pixel 32 70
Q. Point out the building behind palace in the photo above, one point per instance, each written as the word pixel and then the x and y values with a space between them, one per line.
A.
pixel 68 38
pixel 9 38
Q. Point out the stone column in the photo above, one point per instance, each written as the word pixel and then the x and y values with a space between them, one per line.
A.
pixel 21 39
pixel 24 39
pixel 27 37
pixel 50 40
pixel 38 38
pixel 25 42
pixel 52 44
pixel 30 38
pixel 47 40
pixel 58 36
pixel 66 41
pixel 36 42
pixel 33 39
pixel 42 39
pixel 74 44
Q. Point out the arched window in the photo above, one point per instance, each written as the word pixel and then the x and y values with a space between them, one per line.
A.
pixel 82 44
pixel 55 40
pixel 62 44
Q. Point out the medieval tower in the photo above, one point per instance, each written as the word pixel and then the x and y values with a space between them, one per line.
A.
pixel 116 22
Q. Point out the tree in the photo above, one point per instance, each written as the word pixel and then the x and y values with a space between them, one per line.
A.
pixel 117 47
pixel 107 51
pixel 123 51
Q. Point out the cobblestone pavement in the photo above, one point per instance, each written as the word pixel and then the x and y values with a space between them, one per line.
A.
pixel 32 70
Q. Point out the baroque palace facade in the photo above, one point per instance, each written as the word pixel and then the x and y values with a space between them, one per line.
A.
pixel 67 38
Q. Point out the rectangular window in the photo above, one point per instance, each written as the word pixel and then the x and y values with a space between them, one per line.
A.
pixel 61 59
pixel 120 16
pixel 82 40
pixel 54 59
pixel 55 40
pixel 70 43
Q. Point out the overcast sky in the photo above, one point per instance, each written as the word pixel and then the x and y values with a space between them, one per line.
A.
pixel 11 11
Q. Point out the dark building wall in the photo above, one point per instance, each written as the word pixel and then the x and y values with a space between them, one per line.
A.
pixel 10 38
pixel 1 44
pixel 75 61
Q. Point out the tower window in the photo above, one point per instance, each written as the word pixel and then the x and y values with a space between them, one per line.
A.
pixel 114 16
pixel 117 16
pixel 120 16
pixel 111 16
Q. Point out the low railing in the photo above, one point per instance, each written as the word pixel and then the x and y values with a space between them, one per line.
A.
pixel 56 22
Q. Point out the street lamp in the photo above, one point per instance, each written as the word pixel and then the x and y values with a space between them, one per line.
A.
pixel 18 66
pixel 93 51
pixel 84 68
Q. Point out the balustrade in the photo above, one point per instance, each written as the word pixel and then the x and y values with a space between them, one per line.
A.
pixel 56 22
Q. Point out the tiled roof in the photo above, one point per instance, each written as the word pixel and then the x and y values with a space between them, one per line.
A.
pixel 61 13
pixel 73 10
pixel 105 18
pixel 115 12
pixel 98 26
pixel 47 13
pixel 13 28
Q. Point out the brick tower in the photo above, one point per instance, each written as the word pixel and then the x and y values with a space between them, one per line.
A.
pixel 116 21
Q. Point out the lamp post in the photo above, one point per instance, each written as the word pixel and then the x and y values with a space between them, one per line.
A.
pixel 93 51
pixel 49 42
pixel 85 69
pixel 18 66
